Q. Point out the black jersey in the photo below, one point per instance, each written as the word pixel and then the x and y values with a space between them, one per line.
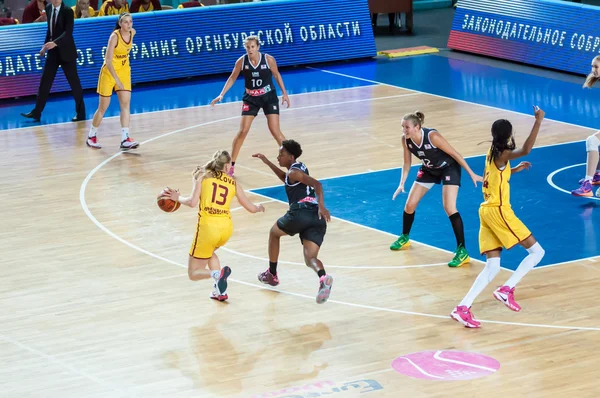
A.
pixel 299 192
pixel 432 157
pixel 258 78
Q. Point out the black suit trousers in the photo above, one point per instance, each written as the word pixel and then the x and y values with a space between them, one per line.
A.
pixel 53 61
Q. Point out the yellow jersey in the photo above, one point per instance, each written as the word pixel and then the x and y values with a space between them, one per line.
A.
pixel 110 8
pixel 216 196
pixel 121 53
pixel 496 187
pixel 91 12
pixel 150 8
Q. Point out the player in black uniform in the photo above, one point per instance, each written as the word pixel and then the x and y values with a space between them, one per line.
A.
pixel 258 70
pixel 307 216
pixel 441 164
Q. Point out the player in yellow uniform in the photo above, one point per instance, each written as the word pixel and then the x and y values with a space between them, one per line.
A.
pixel 115 74
pixel 499 226
pixel 214 190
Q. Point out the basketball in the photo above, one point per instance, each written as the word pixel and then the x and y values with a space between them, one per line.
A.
pixel 166 204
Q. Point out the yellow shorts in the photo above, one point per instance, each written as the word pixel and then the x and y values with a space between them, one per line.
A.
pixel 106 83
pixel 210 235
pixel 499 227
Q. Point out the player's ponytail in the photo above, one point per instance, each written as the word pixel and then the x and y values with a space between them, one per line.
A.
pixel 502 138
pixel 417 118
pixel 215 167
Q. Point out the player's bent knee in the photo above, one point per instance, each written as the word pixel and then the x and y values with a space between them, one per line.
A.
pixel 592 143
pixel 192 276
pixel 537 250
pixel 450 210
pixel 275 232
pixel 410 207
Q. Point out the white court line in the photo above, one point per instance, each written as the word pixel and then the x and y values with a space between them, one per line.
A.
pixel 186 107
pixel 369 307
pixel 263 259
pixel 380 231
pixel 442 96
pixel 550 181
pixel 131 245
pixel 370 171
pixel 266 260
pixel 257 203
pixel 54 360
pixel 419 368
pixel 383 309
pixel 553 185
pixel 438 356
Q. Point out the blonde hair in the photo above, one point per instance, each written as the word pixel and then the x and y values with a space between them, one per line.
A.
pixel 252 38
pixel 215 167
pixel 121 16
pixel 590 80
pixel 417 118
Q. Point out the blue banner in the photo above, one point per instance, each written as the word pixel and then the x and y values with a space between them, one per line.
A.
pixel 199 41
pixel 553 34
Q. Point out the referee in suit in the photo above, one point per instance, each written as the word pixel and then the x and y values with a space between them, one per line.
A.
pixel 61 50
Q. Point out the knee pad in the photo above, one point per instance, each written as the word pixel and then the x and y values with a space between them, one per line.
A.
pixel 592 143
pixel 537 251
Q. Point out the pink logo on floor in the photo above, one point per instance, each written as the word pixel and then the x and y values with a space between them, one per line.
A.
pixel 445 365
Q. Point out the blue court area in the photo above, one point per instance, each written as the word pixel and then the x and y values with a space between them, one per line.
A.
pixel 567 227
pixel 170 95
pixel 442 76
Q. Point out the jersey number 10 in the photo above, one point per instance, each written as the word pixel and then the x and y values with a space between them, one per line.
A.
pixel 256 82
pixel 223 191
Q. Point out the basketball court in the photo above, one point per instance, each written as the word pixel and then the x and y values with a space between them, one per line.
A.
pixel 95 295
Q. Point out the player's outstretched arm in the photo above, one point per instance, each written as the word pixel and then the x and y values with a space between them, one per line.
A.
pixel 278 172
pixel 529 142
pixel 245 202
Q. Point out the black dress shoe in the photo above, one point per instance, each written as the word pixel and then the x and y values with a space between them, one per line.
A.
pixel 31 115
pixel 78 119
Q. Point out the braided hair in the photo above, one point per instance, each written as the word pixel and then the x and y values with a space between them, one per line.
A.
pixel 502 138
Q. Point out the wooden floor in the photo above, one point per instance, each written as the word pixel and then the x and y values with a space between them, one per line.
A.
pixel 96 302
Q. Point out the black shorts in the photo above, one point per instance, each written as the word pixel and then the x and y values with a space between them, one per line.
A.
pixel 268 102
pixel 304 221
pixel 449 175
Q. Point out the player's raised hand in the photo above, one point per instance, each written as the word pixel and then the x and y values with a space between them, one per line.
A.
pixel 539 113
